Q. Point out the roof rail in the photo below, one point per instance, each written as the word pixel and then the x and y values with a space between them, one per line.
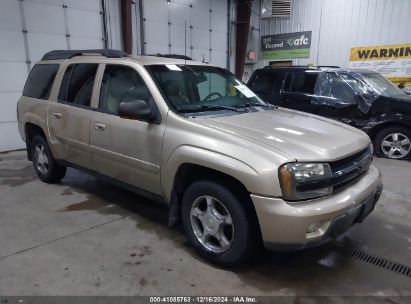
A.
pixel 67 54
pixel 328 67
pixel 288 67
pixel 176 56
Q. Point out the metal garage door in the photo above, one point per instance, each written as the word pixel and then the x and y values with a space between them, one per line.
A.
pixel 207 31
pixel 30 28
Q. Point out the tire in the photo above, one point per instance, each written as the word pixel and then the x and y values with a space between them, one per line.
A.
pixel 242 234
pixel 44 164
pixel 393 142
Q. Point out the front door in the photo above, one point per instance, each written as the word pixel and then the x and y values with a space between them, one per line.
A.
pixel 69 117
pixel 125 149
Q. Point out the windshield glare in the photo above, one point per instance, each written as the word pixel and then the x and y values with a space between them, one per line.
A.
pixel 381 85
pixel 191 88
pixel 370 83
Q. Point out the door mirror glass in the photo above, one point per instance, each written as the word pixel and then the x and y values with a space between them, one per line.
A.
pixel 136 109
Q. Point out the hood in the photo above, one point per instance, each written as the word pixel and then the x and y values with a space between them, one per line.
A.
pixel 406 99
pixel 302 136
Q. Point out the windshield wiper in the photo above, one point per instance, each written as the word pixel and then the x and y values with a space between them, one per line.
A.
pixel 255 104
pixel 211 108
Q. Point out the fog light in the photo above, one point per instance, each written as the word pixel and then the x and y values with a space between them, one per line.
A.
pixel 317 229
pixel 314 227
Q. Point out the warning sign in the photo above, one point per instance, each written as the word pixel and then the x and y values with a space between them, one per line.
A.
pixel 392 61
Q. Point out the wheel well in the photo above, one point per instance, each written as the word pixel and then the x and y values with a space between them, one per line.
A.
pixel 31 130
pixel 382 126
pixel 189 173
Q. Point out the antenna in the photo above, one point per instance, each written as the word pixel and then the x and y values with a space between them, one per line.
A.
pixel 185 42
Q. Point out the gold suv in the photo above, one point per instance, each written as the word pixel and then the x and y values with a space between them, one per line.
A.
pixel 237 171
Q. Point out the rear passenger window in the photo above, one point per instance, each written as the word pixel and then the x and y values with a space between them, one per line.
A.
pixel 40 81
pixel 304 82
pixel 121 84
pixel 264 82
pixel 77 84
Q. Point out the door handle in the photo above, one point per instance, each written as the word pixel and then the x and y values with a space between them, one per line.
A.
pixel 56 115
pixel 99 126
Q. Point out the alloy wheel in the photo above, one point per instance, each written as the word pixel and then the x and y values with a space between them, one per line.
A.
pixel 396 145
pixel 42 161
pixel 212 224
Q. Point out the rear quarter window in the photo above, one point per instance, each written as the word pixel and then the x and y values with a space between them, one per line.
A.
pixel 40 81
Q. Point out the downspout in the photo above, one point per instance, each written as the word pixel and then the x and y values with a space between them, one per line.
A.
pixel 126 26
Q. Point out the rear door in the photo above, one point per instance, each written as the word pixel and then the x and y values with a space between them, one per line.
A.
pixel 69 117
pixel 125 149
pixel 298 90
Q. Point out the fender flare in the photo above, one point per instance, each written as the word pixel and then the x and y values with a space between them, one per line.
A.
pixel 187 154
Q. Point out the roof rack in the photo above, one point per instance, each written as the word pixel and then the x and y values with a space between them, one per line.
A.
pixel 67 54
pixel 328 67
pixel 288 67
pixel 175 56
pixel 312 67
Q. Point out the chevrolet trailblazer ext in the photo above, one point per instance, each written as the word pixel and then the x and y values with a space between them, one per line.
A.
pixel 238 172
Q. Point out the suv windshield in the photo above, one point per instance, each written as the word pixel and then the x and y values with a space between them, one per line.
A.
pixel 381 85
pixel 195 88
pixel 365 82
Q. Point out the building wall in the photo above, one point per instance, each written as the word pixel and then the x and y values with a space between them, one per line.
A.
pixel 338 25
pixel 205 23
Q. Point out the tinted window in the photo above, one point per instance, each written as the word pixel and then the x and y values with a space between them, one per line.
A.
pixel 40 81
pixel 77 84
pixel 121 84
pixel 264 82
pixel 304 82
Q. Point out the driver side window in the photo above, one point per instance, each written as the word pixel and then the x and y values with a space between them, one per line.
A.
pixel 121 84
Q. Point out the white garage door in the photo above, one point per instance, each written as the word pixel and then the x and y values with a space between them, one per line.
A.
pixel 206 28
pixel 30 28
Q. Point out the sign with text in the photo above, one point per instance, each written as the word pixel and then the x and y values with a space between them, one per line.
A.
pixel 392 61
pixel 286 46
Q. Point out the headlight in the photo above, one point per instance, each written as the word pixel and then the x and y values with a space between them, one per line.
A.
pixel 301 181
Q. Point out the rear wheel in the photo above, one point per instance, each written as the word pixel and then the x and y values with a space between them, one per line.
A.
pixel 43 161
pixel 218 224
pixel 394 142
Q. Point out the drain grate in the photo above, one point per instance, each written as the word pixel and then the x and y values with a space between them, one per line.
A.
pixel 365 257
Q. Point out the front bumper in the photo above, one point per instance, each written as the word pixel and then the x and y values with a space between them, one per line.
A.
pixel 287 226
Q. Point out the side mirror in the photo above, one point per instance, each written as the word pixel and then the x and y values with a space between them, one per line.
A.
pixel 137 109
pixel 401 86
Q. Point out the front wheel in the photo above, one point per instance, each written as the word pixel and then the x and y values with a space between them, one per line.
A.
pixel 393 142
pixel 218 223
pixel 43 161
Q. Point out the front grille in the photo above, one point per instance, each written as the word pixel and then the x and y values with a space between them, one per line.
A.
pixel 350 168
pixel 344 171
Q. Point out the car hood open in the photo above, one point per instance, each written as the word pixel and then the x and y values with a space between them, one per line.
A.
pixel 302 136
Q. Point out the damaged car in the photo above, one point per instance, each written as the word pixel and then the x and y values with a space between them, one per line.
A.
pixel 363 99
